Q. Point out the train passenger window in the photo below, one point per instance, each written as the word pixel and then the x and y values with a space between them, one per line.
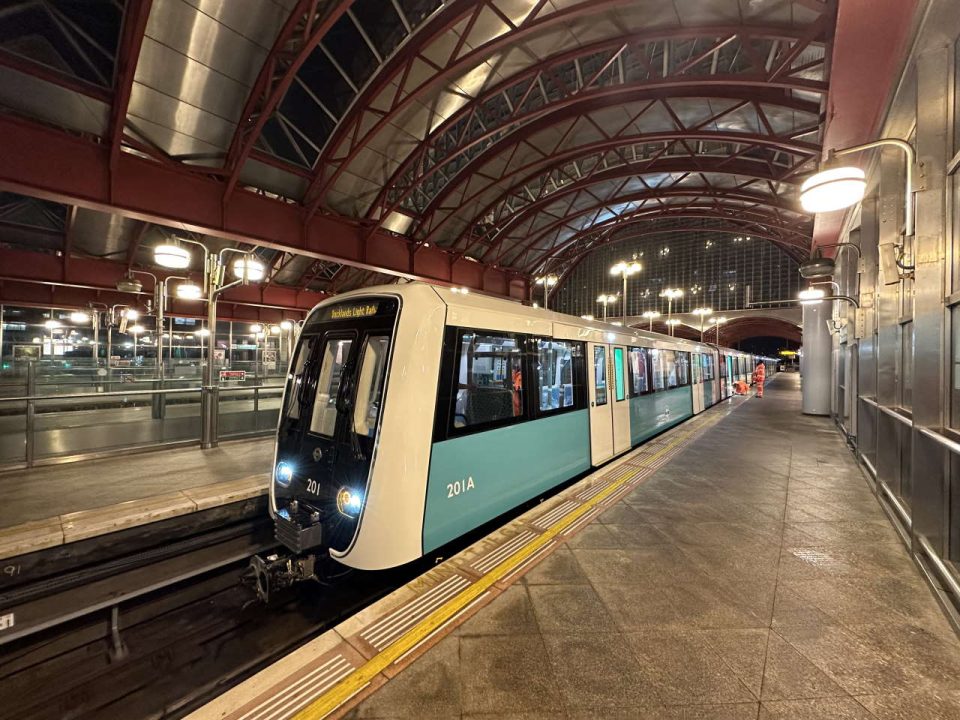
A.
pixel 489 379
pixel 707 367
pixel 370 383
pixel 600 373
pixel 296 379
pixel 555 373
pixel 638 371
pixel 335 354
pixel 659 367
pixel 618 374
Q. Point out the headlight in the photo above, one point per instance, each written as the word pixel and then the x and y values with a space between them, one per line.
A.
pixel 283 474
pixel 348 502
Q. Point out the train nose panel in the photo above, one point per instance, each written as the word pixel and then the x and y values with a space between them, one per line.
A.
pixel 298 531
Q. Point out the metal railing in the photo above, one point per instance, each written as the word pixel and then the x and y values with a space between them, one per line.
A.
pixel 39 429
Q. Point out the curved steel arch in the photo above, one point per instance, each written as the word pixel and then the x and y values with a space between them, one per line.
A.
pixel 788 143
pixel 277 73
pixel 529 78
pixel 356 132
pixel 702 166
pixel 552 162
pixel 800 245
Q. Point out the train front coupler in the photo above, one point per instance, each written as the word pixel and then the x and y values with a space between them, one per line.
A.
pixel 276 572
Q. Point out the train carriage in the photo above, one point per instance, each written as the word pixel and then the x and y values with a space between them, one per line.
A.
pixel 414 414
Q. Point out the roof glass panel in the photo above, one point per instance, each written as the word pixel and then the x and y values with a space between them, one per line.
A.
pixel 380 21
pixel 350 50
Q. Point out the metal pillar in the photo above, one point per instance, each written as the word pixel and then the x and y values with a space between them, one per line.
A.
pixel 209 397
pixel 817 359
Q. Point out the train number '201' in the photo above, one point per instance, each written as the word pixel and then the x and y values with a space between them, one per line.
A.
pixel 460 486
pixel 313 487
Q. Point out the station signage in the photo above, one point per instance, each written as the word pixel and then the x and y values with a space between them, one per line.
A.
pixel 226 375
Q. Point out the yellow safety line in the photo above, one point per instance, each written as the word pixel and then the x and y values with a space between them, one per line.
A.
pixel 365 674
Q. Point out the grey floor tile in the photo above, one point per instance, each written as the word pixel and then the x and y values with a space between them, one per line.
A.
pixel 788 675
pixel 824 709
pixel 511 613
pixel 570 609
pixel 744 651
pixel 597 670
pixel 933 704
pixel 558 568
pixel 682 667
pixel 506 674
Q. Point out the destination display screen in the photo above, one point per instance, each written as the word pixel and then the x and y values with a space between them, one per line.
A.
pixel 359 309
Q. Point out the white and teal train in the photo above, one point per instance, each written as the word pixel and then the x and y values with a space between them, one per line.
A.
pixel 414 414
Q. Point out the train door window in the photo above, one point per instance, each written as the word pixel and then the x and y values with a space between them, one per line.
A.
pixel 695 368
pixel 489 379
pixel 619 374
pixel 335 354
pixel 370 383
pixel 555 373
pixel 683 368
pixel 670 360
pixel 638 371
pixel 600 373
pixel 658 365
pixel 297 376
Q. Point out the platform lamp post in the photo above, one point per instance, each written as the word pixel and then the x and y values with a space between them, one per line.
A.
pixel 547 282
pixel 717 322
pixel 246 269
pixel 606 300
pixel 651 315
pixel 702 312
pixel 672 324
pixel 625 270
pixel 671 294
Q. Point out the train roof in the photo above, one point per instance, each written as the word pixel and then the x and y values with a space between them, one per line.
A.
pixel 488 312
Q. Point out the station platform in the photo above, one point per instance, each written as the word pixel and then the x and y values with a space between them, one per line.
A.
pixel 738 566
pixel 53 505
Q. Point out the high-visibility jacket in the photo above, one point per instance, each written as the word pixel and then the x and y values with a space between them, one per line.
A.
pixel 760 374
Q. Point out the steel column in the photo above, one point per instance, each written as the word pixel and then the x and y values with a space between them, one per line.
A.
pixel 817 358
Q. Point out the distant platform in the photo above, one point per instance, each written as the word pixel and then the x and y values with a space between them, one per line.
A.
pixel 50 506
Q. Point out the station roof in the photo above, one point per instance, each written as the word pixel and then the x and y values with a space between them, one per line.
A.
pixel 475 142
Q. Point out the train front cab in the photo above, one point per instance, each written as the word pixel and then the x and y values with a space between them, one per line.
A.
pixel 329 422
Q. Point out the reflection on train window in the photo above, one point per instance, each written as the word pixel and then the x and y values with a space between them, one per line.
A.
pixel 670 361
pixel 555 374
pixel 658 365
pixel 335 354
pixel 370 385
pixel 489 379
pixel 297 377
pixel 600 373
pixel 683 368
pixel 695 367
pixel 638 371
pixel 618 374
pixel 707 367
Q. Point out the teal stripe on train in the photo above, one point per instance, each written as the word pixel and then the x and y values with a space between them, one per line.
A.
pixel 654 413
pixel 477 477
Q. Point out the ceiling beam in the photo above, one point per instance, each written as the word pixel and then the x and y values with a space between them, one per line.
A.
pixel 54 165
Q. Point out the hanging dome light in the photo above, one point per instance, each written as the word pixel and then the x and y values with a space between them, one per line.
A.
pixel 129 284
pixel 253 269
pixel 833 189
pixel 189 291
pixel 171 256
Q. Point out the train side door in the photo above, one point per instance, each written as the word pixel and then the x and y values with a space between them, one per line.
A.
pixel 696 367
pixel 731 375
pixel 601 409
pixel 621 401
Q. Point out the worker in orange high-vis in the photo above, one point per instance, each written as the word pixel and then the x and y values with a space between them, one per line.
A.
pixel 759 375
